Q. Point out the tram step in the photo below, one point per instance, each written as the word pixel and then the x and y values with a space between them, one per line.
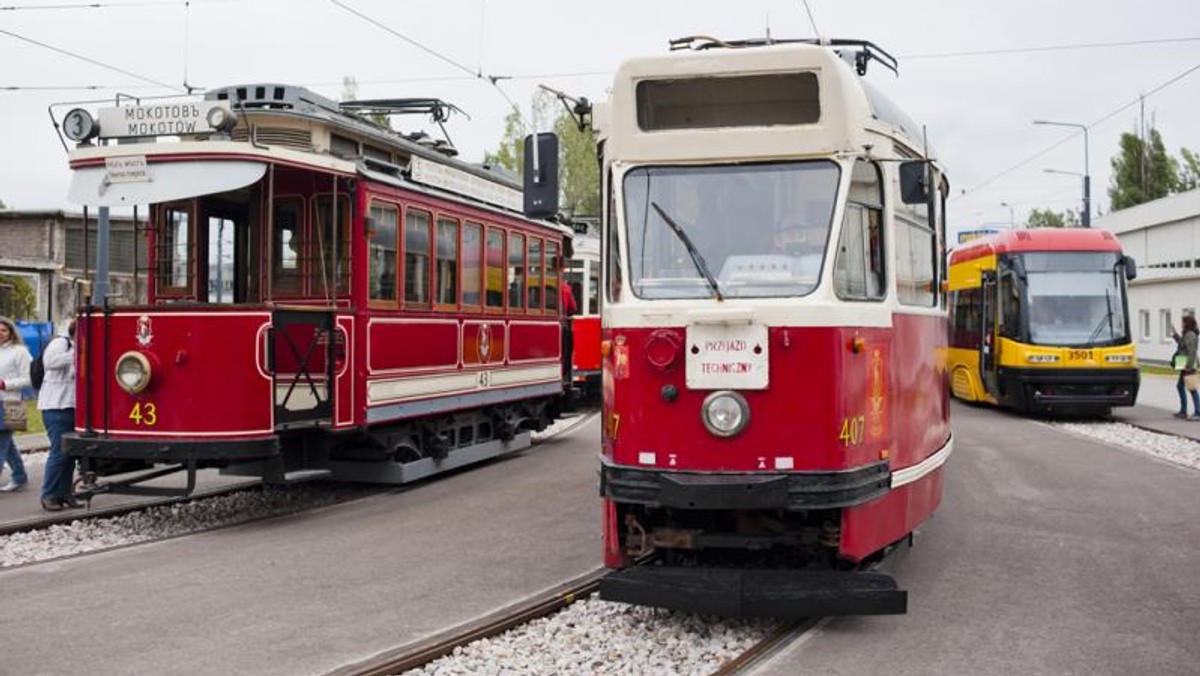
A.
pixel 296 476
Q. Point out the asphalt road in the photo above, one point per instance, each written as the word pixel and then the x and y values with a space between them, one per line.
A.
pixel 1051 554
pixel 309 593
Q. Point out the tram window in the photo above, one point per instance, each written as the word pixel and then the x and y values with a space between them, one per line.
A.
pixel 593 299
pixel 1010 307
pixel 327 275
pixel 859 269
pixel 447 262
pixel 612 252
pixel 221 232
pixel 915 264
pixel 967 319
pixel 495 268
pixel 416 256
pixel 534 278
pixel 516 270
pixel 174 250
pixel 742 101
pixel 381 252
pixel 287 237
pixel 472 266
pixel 553 266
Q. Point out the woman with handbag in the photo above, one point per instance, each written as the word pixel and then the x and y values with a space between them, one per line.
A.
pixel 1184 362
pixel 14 376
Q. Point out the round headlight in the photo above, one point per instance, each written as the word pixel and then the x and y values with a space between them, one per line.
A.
pixel 133 372
pixel 725 413
pixel 221 119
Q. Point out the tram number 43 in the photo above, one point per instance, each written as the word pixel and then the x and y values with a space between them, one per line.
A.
pixel 144 414
pixel 853 430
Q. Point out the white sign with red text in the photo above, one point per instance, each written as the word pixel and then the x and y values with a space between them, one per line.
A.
pixel 727 357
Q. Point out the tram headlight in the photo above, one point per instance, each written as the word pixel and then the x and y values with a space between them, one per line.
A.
pixel 133 372
pixel 1119 358
pixel 1041 358
pixel 221 119
pixel 725 413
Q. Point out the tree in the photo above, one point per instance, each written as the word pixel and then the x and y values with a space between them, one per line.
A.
pixel 1047 218
pixel 3 205
pixel 1189 174
pixel 19 299
pixel 579 177
pixel 1142 172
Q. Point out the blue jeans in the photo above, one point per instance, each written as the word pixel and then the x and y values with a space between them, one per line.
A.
pixel 10 454
pixel 1179 387
pixel 60 467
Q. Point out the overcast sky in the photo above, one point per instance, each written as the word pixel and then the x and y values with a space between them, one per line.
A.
pixel 975 73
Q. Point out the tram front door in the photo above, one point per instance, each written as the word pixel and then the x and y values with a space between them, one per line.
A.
pixel 987 333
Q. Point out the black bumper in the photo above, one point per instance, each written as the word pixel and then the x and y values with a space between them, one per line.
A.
pixel 794 491
pixel 781 594
pixel 170 450
pixel 1025 388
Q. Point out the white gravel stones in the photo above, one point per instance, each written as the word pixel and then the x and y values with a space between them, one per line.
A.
pixel 599 637
pixel 164 521
pixel 1174 449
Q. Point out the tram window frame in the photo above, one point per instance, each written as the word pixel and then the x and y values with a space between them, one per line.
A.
pixel 288 282
pixel 552 272
pixel 869 251
pixel 165 250
pixel 476 270
pixel 535 267
pixel 515 272
pixel 1008 312
pixel 966 318
pixel 318 246
pixel 612 248
pixel 380 226
pixel 494 235
pixel 446 297
pixel 413 262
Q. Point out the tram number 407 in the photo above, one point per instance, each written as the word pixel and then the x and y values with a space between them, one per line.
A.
pixel 144 414
pixel 853 430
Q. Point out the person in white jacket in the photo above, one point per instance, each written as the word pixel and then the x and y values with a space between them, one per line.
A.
pixel 56 401
pixel 14 376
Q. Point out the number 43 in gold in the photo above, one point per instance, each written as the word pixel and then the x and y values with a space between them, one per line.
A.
pixel 144 414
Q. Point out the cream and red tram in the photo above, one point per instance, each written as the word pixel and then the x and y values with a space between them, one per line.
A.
pixel 775 410
pixel 326 298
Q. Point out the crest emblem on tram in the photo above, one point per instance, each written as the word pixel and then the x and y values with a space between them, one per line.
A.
pixel 485 343
pixel 144 335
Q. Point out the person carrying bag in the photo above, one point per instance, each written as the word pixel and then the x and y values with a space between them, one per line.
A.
pixel 1185 364
pixel 14 376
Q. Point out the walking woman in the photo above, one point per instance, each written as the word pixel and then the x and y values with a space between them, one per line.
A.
pixel 1187 376
pixel 14 376
pixel 56 399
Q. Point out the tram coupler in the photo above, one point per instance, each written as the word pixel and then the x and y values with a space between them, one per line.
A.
pixel 88 487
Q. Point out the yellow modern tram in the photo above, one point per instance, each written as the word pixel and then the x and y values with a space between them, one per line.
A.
pixel 1040 322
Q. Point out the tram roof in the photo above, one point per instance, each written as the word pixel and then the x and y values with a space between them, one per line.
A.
pixel 1037 239
pixel 847 108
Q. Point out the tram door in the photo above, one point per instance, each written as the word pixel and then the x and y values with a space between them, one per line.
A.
pixel 231 276
pixel 303 349
pixel 987 333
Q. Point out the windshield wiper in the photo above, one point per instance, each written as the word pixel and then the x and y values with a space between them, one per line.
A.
pixel 697 259
pixel 1107 318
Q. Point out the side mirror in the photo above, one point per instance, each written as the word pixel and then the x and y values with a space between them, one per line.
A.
pixel 1130 267
pixel 914 185
pixel 541 175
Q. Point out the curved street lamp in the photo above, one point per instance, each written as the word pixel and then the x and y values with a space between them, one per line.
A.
pixel 1087 179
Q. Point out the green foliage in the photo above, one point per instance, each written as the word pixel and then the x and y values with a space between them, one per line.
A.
pixel 578 172
pixel 20 302
pixel 1047 218
pixel 1142 172
pixel 3 205
pixel 1189 174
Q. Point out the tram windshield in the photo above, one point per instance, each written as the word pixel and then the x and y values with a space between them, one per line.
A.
pixel 754 230
pixel 1075 298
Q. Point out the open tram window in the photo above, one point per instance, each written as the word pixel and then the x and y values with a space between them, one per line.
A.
pixel 553 265
pixel 175 250
pixel 472 265
pixel 495 269
pixel 447 262
pixel 328 276
pixel 516 271
pixel 416 256
pixel 534 283
pixel 287 247
pixel 381 252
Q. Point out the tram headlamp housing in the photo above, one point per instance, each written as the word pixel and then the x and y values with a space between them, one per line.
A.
pixel 133 372
pixel 1041 358
pixel 221 119
pixel 725 413
pixel 1119 358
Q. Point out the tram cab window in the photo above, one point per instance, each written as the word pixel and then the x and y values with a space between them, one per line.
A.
pixel 1010 307
pixel 447 262
pixel 381 252
pixel 534 283
pixel 416 256
pixel 612 248
pixel 329 269
pixel 287 249
pixel 553 266
pixel 916 251
pixel 175 250
pixel 858 271
pixel 516 271
pixel 472 265
pixel 494 276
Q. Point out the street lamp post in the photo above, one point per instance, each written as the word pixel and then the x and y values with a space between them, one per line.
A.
pixel 1012 221
pixel 1076 174
pixel 1087 178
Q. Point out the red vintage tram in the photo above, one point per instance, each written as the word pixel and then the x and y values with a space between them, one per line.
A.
pixel 583 277
pixel 774 330
pixel 327 298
